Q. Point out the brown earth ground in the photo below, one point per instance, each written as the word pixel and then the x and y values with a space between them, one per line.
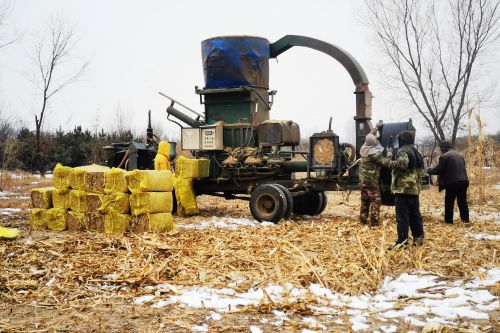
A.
pixel 333 250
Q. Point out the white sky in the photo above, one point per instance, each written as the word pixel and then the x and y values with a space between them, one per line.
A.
pixel 137 48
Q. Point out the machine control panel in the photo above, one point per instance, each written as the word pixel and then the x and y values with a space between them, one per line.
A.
pixel 190 139
pixel 212 137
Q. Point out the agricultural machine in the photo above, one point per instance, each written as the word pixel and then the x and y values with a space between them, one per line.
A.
pixel 257 158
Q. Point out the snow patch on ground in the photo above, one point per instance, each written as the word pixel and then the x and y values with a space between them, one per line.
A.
pixel 225 222
pixel 484 216
pixel 420 299
pixel 8 211
pixel 483 236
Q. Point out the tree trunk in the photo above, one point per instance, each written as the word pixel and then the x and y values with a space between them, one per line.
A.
pixel 39 161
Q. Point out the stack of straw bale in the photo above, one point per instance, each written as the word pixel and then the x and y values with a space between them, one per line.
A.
pixel 97 198
pixel 151 201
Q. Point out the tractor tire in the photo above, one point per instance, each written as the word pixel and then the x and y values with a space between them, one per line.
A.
pixel 325 203
pixel 289 200
pixel 268 203
pixel 310 203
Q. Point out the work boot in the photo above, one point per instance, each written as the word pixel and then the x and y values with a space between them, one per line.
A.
pixel 398 245
pixel 364 222
pixel 418 242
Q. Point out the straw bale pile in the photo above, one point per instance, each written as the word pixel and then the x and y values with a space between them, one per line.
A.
pixel 151 201
pixel 97 198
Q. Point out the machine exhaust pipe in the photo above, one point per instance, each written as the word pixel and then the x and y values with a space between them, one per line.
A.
pixel 182 117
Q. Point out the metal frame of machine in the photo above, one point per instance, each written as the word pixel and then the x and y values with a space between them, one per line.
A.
pixel 257 159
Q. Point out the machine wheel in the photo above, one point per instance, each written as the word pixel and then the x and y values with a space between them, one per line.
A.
pixel 268 203
pixel 289 200
pixel 325 202
pixel 310 203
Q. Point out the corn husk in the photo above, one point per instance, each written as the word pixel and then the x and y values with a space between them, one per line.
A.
pixel 76 221
pixel 115 181
pixel 38 219
pixel 150 181
pixel 41 197
pixel 151 202
pixel 115 223
pixel 159 222
pixel 56 219
pixel 61 176
pixel 78 201
pixel 117 202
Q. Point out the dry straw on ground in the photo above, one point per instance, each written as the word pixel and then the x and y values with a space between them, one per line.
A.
pixel 87 281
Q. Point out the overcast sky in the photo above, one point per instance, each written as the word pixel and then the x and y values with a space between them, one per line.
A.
pixel 137 48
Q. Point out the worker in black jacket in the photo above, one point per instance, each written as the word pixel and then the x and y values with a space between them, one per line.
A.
pixel 453 178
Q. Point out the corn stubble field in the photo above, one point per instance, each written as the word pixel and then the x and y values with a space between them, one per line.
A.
pixel 223 271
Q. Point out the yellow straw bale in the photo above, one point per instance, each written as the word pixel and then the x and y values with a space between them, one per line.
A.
pixel 192 168
pixel 78 201
pixel 94 178
pixel 115 181
pixel 76 221
pixel 94 202
pixel 185 196
pixel 159 222
pixel 56 219
pixel 117 202
pixel 151 202
pixel 77 176
pixel 61 176
pixel 115 223
pixel 38 219
pixel 150 181
pixel 41 197
pixel 95 222
pixel 60 200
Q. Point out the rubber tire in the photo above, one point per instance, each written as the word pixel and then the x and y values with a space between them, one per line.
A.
pixel 325 203
pixel 310 203
pixel 278 197
pixel 289 200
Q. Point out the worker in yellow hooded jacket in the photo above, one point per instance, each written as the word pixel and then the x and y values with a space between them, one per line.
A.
pixel 162 161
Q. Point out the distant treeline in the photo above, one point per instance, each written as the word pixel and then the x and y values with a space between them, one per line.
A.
pixel 79 147
pixel 72 148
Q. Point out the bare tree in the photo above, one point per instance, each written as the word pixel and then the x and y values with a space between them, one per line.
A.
pixel 5 36
pixel 437 49
pixel 55 71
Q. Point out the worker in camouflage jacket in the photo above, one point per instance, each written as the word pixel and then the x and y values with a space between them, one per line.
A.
pixel 407 170
pixel 372 160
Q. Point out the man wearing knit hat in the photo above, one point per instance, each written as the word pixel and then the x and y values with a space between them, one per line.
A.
pixel 453 178
pixel 371 161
